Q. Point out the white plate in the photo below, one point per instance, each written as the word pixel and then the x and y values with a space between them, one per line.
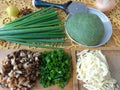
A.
pixel 107 26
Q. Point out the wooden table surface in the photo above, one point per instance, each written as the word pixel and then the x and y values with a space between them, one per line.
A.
pixel 113 45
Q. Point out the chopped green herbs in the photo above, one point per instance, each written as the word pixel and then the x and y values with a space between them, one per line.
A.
pixel 55 68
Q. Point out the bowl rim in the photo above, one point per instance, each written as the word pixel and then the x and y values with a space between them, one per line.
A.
pixel 103 41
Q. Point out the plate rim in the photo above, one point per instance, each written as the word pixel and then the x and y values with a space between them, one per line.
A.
pixel 108 35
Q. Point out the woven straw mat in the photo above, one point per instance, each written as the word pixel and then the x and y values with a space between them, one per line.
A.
pixel 113 15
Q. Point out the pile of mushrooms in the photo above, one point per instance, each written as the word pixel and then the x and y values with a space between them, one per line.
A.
pixel 20 70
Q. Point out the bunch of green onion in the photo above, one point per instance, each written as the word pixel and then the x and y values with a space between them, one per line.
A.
pixel 39 29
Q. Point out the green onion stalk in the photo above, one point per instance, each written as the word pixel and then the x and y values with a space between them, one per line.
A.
pixel 41 28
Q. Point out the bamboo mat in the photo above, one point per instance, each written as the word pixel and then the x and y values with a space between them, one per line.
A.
pixel 113 15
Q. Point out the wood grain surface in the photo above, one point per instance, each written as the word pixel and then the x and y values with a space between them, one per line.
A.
pixel 38 86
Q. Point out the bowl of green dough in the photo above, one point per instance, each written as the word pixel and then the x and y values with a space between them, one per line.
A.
pixel 91 29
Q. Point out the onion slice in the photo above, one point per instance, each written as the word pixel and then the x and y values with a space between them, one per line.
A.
pixel 105 5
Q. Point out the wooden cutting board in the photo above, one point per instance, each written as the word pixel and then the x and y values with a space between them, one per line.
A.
pixel 38 86
pixel 113 58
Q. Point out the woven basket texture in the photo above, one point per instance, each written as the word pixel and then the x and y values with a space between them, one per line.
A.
pixel 113 15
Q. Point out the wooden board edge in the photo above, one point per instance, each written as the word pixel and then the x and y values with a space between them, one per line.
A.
pixel 75 81
pixel 97 48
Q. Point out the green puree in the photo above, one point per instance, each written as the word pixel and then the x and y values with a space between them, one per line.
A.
pixel 85 28
pixel 55 68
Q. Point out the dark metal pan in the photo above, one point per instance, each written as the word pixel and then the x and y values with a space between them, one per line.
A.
pixel 69 7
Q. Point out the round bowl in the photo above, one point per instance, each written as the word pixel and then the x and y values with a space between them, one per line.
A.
pixel 107 27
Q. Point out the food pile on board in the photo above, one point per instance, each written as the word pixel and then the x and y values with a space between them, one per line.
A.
pixel 21 69
pixel 55 68
pixel 93 70
pixel 43 28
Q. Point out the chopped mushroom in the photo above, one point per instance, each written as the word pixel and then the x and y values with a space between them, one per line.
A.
pixel 20 70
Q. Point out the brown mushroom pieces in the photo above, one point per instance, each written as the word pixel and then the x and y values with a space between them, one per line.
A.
pixel 20 70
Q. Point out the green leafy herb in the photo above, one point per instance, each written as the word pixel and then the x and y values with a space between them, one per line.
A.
pixel 55 68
